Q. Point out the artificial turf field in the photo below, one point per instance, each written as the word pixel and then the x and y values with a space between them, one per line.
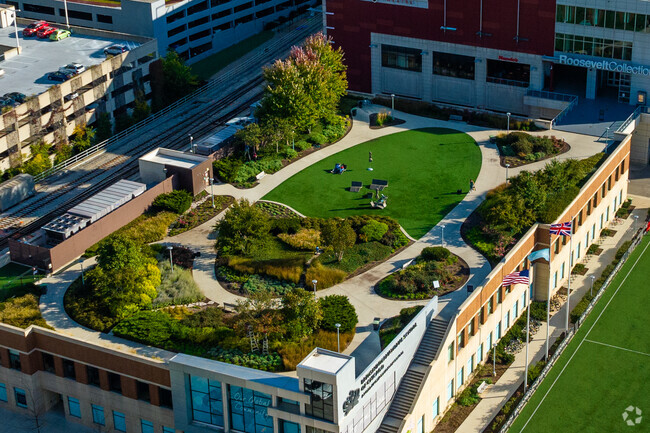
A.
pixel 424 168
pixel 605 368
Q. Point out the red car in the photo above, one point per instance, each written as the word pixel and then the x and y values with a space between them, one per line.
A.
pixel 34 27
pixel 45 32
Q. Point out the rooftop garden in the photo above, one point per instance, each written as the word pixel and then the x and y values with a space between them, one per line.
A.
pixel 425 170
pixel 510 210
pixel 298 113
pixel 519 148
pixel 258 252
pixel 417 280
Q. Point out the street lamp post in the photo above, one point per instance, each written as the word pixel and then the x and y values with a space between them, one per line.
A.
pixel 212 191
pixel 314 282
pixel 508 127
pixel 507 167
pixel 494 359
pixel 338 341
pixel 171 262
pixel 442 235
pixel 392 101
pixel 83 282
pixel 191 143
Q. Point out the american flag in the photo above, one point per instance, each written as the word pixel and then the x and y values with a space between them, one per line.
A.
pixel 521 277
pixel 563 229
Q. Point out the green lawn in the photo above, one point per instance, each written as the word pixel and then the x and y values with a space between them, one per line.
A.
pixel 424 169
pixel 211 65
pixel 605 369
pixel 10 279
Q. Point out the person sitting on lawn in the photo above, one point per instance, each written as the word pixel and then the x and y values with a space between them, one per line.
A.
pixel 337 169
pixel 343 168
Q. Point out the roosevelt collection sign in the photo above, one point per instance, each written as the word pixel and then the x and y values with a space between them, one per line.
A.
pixel 605 65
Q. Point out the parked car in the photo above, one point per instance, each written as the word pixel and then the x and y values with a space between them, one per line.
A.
pixel 71 96
pixel 60 34
pixel 16 96
pixel 34 27
pixel 59 76
pixel 45 32
pixel 74 68
pixel 116 49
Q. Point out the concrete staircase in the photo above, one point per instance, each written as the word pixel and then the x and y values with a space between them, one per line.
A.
pixel 411 383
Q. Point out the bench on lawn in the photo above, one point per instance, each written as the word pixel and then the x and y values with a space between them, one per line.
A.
pixel 455 117
pixel 378 184
pixel 260 175
pixel 356 186
pixel 482 387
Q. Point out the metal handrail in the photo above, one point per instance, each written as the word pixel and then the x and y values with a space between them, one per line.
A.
pixel 565 111
pixel 631 118
pixel 551 95
pixel 118 138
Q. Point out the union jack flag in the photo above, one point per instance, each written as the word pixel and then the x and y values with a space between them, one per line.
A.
pixel 563 229
pixel 521 277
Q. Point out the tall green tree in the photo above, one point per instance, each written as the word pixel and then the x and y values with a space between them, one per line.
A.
pixel 243 228
pixel 82 138
pixel 301 312
pixel 339 235
pixel 103 127
pixel 178 79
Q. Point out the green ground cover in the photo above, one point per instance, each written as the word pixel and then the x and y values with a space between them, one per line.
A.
pixel 11 281
pixel 211 65
pixel 424 169
pixel 605 368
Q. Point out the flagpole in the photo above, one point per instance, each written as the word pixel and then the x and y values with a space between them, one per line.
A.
pixel 528 290
pixel 568 291
pixel 548 294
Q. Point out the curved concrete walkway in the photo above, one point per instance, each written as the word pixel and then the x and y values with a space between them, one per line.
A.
pixel 365 345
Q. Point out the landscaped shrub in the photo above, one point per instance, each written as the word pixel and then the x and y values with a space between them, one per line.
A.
pixel 326 276
pixel 256 283
pixel 373 231
pixel 317 138
pixel 285 225
pixel 86 308
pixel 271 362
pixel 538 311
pixel 177 201
pixel 294 352
pixel 435 254
pixel 176 287
pixel 622 250
pixel 580 307
pixel 248 171
pixel 305 239
pixel 226 168
pixel 534 371
pixel 592 249
pixel 282 269
pixel 578 269
pixel 289 153
pixel 302 145
pixel 22 312
pixel 338 309
pixel 469 396
pixel 147 327
pixel 334 132
pixel 357 256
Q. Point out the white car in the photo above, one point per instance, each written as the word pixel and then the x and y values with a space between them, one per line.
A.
pixel 2 72
pixel 73 68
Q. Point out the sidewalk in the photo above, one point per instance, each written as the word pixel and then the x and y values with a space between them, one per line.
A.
pixel 496 395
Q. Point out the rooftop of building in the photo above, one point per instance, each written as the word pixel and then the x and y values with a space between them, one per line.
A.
pixel 174 158
pixel 27 72
pixel 325 360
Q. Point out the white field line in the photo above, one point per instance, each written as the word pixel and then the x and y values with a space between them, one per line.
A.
pixel 585 337
pixel 617 347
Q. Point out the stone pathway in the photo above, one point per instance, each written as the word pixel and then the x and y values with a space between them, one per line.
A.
pixel 365 345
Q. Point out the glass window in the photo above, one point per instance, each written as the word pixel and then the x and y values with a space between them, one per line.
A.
pixel 98 414
pixel 146 426
pixel 248 408
pixel 165 398
pixel 479 353
pixel 515 310
pixel 450 352
pixel 322 399
pixel 555 279
pixel 14 359
pixel 523 300
pixel 93 375
pixel 461 376
pixel 610 19
pixel 508 73
pixel 580 15
pixel 450 389
pixel 470 364
pixel 48 362
pixel 499 296
pixel 498 330
pixel 420 427
pixel 21 397
pixel 489 341
pixel 489 306
pixel 436 407
pixel 289 405
pixel 73 407
pixel 507 319
pixel 115 382
pixel 68 369
pixel 453 65
pixel 288 427
pixel 119 421
pixel 3 392
pixel 207 401
pixel 396 57
pixel 560 13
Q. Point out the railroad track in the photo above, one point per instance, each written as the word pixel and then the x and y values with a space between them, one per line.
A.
pixel 126 165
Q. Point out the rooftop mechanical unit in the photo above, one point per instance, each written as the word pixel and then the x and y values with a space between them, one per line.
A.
pixel 210 144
